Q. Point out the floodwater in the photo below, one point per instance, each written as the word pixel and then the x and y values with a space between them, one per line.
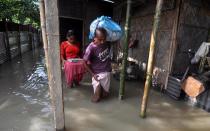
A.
pixel 25 104
pixel 163 114
pixel 24 98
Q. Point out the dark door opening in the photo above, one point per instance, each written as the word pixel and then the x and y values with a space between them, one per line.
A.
pixel 67 24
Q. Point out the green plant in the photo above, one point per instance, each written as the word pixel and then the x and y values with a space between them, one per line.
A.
pixel 20 11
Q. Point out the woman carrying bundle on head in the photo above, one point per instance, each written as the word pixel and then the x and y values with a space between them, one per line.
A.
pixel 70 57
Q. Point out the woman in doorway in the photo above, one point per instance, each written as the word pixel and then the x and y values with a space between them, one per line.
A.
pixel 70 54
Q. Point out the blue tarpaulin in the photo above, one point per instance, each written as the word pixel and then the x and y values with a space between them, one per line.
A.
pixel 114 31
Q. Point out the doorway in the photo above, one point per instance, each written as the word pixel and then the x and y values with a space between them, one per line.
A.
pixel 73 24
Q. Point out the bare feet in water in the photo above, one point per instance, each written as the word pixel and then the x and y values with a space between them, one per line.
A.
pixel 97 95
pixel 100 93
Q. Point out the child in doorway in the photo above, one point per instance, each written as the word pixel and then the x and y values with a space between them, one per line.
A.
pixel 98 55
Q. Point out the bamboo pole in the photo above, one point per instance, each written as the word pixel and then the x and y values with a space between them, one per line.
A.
pixel 150 63
pixel 125 51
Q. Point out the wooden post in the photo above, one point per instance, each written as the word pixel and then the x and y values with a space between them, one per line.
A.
pixel 30 37
pixel 125 51
pixel 44 37
pixel 150 63
pixel 85 2
pixel 19 41
pixel 173 45
pixel 8 52
pixel 44 34
pixel 50 34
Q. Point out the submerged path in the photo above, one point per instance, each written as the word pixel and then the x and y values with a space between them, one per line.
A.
pixel 24 98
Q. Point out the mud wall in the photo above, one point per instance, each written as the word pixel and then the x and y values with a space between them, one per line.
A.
pixel 194 27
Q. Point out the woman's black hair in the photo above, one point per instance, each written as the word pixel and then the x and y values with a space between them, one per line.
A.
pixel 102 30
pixel 70 33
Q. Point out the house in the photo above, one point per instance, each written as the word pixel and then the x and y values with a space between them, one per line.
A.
pixel 184 25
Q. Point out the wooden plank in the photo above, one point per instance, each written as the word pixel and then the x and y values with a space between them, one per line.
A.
pixel 194 26
pixel 55 81
pixel 7 45
pixel 173 45
pixel 19 41
pixel 30 38
pixel 84 24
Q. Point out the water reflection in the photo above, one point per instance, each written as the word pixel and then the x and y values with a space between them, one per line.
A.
pixel 24 94
pixel 34 88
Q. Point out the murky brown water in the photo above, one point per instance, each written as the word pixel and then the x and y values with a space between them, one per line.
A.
pixel 24 98
pixel 163 113
pixel 25 104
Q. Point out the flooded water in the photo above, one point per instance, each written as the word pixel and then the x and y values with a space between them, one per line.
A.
pixel 25 104
pixel 24 98
pixel 163 113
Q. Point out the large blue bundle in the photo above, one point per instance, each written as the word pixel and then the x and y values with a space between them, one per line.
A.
pixel 114 31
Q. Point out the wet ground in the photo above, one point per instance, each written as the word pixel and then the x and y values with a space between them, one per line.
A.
pixel 25 104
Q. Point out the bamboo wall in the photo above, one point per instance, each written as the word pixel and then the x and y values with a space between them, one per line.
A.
pixel 193 30
pixel 141 27
pixel 71 8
